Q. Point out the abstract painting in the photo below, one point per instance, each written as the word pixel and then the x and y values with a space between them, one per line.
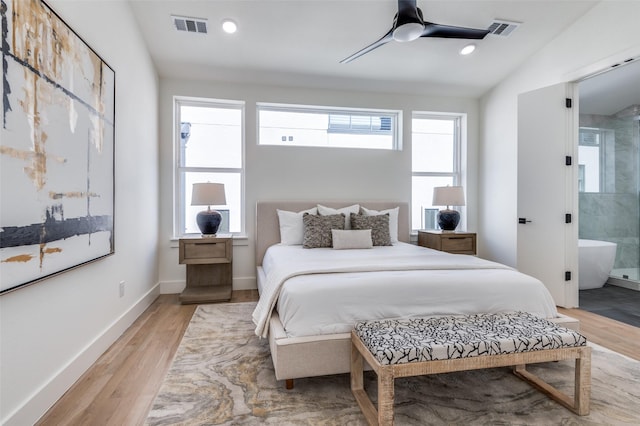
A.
pixel 56 147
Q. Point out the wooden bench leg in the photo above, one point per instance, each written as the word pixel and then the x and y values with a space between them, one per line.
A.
pixel 386 395
pixel 357 387
pixel 357 369
pixel 579 404
pixel 582 392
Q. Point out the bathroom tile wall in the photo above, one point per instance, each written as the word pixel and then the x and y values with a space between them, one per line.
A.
pixel 614 215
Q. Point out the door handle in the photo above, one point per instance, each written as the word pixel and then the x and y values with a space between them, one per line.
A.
pixel 523 220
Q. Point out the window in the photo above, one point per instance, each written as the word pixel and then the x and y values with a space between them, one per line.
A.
pixel 295 125
pixel 435 162
pixel 209 148
pixel 596 160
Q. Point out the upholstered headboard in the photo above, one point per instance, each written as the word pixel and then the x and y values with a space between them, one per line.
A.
pixel 268 226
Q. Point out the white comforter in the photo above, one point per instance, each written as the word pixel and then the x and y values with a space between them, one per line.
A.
pixel 325 291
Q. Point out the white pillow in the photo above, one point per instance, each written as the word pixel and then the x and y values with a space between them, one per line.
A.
pixel 325 211
pixel 291 226
pixel 393 220
pixel 352 239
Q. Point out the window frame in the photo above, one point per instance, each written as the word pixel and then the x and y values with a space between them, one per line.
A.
pixel 395 132
pixel 604 148
pixel 179 172
pixel 457 171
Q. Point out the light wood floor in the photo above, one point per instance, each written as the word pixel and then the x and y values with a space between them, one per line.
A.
pixel 612 334
pixel 121 386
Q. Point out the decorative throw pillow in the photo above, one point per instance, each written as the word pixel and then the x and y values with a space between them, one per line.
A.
pixel 291 227
pixel 393 220
pixel 323 210
pixel 317 229
pixel 379 226
pixel 351 239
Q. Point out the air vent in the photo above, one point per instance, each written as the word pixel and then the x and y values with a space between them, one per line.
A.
pixel 191 25
pixel 502 28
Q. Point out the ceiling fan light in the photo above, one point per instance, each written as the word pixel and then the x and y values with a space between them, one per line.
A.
pixel 468 49
pixel 229 26
pixel 408 32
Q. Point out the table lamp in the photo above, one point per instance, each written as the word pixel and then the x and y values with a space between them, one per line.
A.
pixel 208 194
pixel 448 196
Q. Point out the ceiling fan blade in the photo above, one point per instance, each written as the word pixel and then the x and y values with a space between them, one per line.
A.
pixel 409 9
pixel 384 40
pixel 448 31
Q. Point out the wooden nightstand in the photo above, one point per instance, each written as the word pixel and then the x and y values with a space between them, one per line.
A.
pixel 451 242
pixel 209 268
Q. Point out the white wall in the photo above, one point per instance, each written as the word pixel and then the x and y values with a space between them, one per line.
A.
pixel 53 330
pixel 286 173
pixel 605 35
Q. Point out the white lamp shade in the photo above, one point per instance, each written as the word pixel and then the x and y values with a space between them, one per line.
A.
pixel 448 196
pixel 208 194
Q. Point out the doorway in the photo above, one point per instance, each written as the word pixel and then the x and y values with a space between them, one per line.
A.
pixel 609 169
pixel 609 193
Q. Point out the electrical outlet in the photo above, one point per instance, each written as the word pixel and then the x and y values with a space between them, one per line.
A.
pixel 121 288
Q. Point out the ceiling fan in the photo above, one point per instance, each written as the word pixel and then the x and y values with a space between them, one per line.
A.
pixel 408 25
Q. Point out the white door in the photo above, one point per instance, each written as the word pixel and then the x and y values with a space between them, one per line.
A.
pixel 547 190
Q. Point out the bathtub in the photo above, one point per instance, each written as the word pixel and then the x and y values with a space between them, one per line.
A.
pixel 595 262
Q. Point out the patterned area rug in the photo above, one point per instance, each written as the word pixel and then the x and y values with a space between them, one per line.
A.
pixel 223 374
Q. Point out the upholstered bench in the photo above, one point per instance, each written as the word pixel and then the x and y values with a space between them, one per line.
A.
pixel 420 346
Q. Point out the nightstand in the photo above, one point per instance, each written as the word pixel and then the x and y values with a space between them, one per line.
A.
pixel 451 242
pixel 209 268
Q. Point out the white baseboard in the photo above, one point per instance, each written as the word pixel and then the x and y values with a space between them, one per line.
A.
pixel 175 287
pixel 45 397
pixel 245 283
pixel 172 287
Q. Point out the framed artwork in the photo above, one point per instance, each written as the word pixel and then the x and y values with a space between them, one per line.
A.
pixel 56 147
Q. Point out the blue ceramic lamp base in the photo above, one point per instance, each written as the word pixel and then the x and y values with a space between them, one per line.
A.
pixel 448 220
pixel 208 221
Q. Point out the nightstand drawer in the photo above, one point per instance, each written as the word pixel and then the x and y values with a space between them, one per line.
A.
pixel 205 251
pixel 451 242
pixel 458 244
pixel 201 251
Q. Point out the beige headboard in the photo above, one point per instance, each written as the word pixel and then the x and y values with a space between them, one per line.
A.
pixel 268 226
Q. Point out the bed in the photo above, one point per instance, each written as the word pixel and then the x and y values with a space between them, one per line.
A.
pixel 310 298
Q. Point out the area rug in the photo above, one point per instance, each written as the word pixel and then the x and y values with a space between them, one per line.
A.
pixel 223 374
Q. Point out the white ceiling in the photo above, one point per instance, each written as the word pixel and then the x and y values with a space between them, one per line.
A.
pixel 300 42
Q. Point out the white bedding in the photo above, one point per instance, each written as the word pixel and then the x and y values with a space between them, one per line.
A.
pixel 325 291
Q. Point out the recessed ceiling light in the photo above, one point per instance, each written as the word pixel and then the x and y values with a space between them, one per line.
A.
pixel 468 49
pixel 229 26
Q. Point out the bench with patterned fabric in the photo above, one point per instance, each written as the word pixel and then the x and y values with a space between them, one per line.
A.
pixel 420 346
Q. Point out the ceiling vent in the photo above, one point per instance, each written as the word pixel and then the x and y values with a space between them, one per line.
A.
pixel 190 25
pixel 502 28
